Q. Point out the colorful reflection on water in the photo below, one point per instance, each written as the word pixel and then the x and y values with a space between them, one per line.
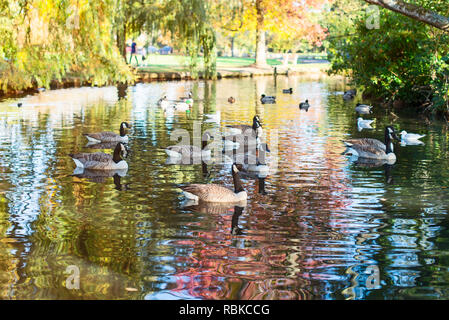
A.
pixel 314 229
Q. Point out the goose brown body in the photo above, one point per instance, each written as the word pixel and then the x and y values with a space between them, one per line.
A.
pixel 211 192
pixel 100 160
pixel 108 136
pixel 215 192
pixel 372 148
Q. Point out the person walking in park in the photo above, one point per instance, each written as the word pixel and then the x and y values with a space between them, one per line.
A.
pixel 133 53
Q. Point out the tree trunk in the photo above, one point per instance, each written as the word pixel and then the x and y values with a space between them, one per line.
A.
pixel 232 46
pixel 415 12
pixel 261 55
pixel 121 41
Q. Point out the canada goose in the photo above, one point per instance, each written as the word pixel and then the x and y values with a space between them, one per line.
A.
pixel 241 128
pixel 108 136
pixel 102 161
pixel 287 90
pixel 189 152
pixel 267 99
pixel 350 94
pixel 410 138
pixel 304 105
pixel 363 108
pixel 364 124
pixel 372 148
pixel 215 192
pixel 231 100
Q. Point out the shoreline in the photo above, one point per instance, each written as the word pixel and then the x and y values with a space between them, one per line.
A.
pixel 145 76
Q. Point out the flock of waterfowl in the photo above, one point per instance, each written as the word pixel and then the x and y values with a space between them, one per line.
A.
pixel 249 154
pixel 374 149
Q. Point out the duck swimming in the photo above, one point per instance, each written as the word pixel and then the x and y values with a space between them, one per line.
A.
pixel 363 108
pixel 304 105
pixel 267 99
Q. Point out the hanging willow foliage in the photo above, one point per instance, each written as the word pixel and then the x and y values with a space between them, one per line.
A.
pixel 190 22
pixel 48 40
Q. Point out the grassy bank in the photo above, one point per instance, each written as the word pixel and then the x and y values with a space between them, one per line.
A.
pixel 175 63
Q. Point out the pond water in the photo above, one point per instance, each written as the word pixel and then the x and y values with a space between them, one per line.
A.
pixel 320 226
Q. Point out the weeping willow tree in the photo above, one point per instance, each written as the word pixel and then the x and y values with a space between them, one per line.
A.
pixel 48 40
pixel 134 16
pixel 190 22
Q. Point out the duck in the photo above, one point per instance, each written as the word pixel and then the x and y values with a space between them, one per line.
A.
pixel 231 100
pixel 108 136
pixel 363 108
pixel 364 124
pixel 215 192
pixel 188 99
pixel 350 94
pixel 242 128
pixel 163 103
pixel 290 91
pixel 373 148
pixel 411 138
pixel 102 161
pixel 267 99
pixel 304 105
pixel 188 152
pixel 181 106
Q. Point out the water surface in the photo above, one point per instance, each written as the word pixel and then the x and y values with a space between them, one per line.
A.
pixel 316 228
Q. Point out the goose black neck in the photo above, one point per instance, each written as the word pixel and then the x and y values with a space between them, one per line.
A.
pixel 388 142
pixel 204 169
pixel 255 124
pixel 117 157
pixel 237 182
pixel 203 144
pixel 122 129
